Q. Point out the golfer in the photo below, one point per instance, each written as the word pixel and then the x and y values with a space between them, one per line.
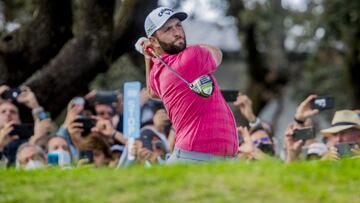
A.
pixel 181 76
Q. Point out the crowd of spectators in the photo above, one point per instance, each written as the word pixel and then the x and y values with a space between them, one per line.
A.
pixel 92 133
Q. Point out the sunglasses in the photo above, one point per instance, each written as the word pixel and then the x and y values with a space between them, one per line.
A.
pixel 261 140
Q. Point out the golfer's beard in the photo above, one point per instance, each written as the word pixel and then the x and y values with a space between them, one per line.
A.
pixel 171 48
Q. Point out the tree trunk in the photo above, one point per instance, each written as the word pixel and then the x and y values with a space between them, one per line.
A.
pixel 80 60
pixel 96 44
pixel 27 49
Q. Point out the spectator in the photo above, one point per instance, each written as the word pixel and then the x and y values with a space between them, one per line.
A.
pixel 30 156
pixel 316 151
pixel 9 116
pixel 116 152
pixel 259 133
pixel 74 132
pixel 345 128
pixel 57 146
pixel 159 125
pixel 98 147
pixel 249 149
pixel 70 130
pixel 302 118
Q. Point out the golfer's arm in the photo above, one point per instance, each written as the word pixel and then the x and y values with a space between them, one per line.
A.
pixel 215 52
pixel 148 66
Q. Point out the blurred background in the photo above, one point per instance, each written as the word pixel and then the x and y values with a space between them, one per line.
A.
pixel 276 51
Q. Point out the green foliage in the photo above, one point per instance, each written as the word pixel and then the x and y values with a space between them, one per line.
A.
pixel 268 181
pixel 342 19
pixel 121 71
pixel 322 75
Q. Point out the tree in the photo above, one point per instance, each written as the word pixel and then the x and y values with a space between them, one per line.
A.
pixel 67 44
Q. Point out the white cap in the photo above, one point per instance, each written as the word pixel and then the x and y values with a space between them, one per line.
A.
pixel 158 17
pixel 317 148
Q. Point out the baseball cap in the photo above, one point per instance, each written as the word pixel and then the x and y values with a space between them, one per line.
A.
pixel 116 147
pixel 158 17
pixel 317 148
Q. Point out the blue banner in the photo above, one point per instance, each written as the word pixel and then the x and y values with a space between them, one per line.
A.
pixel 132 109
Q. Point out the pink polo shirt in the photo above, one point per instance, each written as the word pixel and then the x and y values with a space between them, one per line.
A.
pixel 201 124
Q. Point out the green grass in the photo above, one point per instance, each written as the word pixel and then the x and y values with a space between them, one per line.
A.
pixel 268 181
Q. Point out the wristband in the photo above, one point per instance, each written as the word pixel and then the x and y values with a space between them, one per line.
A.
pixel 37 110
pixel 255 124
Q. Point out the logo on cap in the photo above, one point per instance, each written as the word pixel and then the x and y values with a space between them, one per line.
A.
pixel 167 11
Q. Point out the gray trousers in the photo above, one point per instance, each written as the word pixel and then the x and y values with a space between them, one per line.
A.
pixel 184 156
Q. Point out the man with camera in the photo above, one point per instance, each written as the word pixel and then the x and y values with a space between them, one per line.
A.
pixel 12 132
pixel 182 78
pixel 257 140
pixel 343 137
pixel 80 122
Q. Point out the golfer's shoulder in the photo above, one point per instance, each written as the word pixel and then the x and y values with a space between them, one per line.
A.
pixel 196 49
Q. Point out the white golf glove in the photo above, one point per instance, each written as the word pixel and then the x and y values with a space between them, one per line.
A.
pixel 139 43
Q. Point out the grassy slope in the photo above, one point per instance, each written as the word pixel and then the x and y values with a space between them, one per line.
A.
pixel 220 182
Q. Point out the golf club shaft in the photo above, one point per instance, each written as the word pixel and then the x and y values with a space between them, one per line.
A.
pixel 169 67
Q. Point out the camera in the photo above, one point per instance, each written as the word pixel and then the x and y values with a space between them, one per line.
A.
pixel 88 123
pixel 304 133
pixel 106 97
pixel 87 154
pixel 146 139
pixel 53 159
pixel 11 94
pixel 344 149
pixel 230 95
pixel 24 131
pixel 322 103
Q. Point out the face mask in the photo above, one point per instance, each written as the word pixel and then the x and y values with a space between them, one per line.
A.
pixel 267 148
pixel 34 164
pixel 59 157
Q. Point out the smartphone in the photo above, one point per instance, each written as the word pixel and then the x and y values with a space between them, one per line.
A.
pixel 230 95
pixel 344 149
pixel 146 138
pixel 87 154
pixel 107 97
pixel 24 131
pixel 11 94
pixel 88 123
pixel 304 133
pixel 322 103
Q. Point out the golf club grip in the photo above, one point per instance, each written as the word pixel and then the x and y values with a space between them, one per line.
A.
pixel 150 51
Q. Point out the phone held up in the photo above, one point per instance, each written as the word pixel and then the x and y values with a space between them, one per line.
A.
pixel 304 133
pixel 322 103
pixel 24 131
pixel 11 94
pixel 230 95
